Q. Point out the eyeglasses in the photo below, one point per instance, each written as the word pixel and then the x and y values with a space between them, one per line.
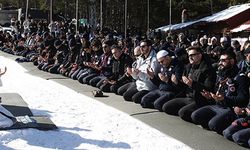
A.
pixel 137 55
pixel 192 55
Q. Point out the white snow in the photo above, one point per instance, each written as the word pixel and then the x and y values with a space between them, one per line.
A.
pixel 83 122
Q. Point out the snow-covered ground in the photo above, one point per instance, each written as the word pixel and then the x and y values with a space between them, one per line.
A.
pixel 83 122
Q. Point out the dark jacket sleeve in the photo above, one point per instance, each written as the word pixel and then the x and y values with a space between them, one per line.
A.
pixel 181 86
pixel 242 97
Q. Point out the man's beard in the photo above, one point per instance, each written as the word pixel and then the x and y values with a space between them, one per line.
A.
pixel 223 71
pixel 221 68
pixel 227 71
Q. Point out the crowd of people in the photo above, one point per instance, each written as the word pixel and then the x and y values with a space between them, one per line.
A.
pixel 204 81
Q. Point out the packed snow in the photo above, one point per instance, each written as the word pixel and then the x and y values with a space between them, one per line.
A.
pixel 83 122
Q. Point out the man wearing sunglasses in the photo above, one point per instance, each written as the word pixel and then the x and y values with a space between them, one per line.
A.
pixel 231 91
pixel 198 75
pixel 147 67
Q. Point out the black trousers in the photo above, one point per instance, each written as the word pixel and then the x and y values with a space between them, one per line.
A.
pixel 121 90
pixel 214 117
pixel 114 88
pixel 73 74
pixel 238 133
pixel 88 78
pixel 156 99
pixel 182 107
pixel 132 94
pixel 96 81
pixel 82 74
pixel 106 87
pixel 54 69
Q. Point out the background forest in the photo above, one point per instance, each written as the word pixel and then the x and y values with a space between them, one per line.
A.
pixel 113 10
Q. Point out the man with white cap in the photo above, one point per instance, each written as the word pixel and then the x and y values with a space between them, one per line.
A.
pixel 224 45
pixel 167 80
pixel 211 50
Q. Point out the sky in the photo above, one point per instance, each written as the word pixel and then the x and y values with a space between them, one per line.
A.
pixel 83 123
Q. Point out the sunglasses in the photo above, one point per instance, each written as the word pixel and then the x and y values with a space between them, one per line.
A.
pixel 192 55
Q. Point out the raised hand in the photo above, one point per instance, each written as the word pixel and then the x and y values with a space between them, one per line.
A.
pixel 3 72
pixel 206 94
pixel 238 110
pixel 174 79
pixel 188 81
pixel 163 77
pixel 150 73
pixel 135 71
pixel 217 96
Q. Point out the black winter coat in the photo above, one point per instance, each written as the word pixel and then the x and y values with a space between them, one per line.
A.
pixel 204 78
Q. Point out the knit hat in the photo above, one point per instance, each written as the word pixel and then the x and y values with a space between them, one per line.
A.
pixel 223 39
pixel 161 53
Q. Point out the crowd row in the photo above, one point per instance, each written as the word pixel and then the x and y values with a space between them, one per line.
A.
pixel 202 82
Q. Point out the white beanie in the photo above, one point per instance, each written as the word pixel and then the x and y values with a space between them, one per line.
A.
pixel 213 38
pixel 161 53
pixel 223 39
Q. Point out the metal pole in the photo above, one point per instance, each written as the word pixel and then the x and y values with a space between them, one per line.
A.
pixel 65 9
pixel 76 15
pixel 19 4
pixel 211 5
pixel 51 13
pixel 101 15
pixel 148 17
pixel 170 15
pixel 27 7
pixel 125 17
